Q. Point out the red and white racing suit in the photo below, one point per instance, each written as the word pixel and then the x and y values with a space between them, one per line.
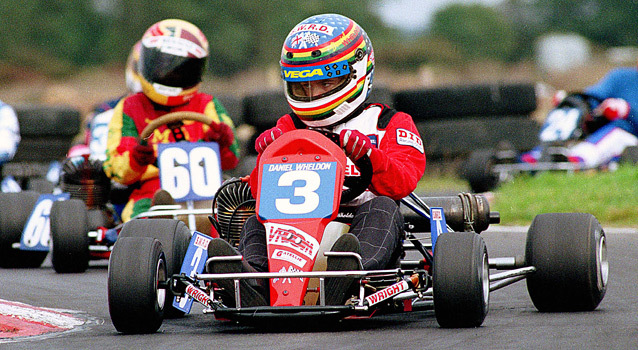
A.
pixel 398 163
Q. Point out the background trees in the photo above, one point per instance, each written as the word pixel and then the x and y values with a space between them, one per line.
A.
pixel 58 37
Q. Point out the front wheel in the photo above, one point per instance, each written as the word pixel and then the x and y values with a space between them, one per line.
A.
pixel 69 236
pixel 15 210
pixel 460 280
pixel 174 236
pixel 569 252
pixel 136 300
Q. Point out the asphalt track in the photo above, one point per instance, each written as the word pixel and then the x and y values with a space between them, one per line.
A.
pixel 512 322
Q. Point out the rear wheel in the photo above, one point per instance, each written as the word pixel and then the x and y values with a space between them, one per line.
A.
pixel 569 252
pixel 460 280
pixel 136 269
pixel 477 170
pixel 174 236
pixel 69 236
pixel 15 209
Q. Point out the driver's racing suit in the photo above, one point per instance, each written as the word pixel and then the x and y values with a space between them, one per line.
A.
pixel 398 162
pixel 130 117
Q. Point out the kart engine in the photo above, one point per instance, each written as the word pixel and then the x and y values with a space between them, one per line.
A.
pixel 232 206
pixel 83 178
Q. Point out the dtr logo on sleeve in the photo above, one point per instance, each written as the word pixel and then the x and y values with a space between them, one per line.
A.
pixel 408 138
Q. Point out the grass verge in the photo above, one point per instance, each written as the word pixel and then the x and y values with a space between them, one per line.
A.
pixel 611 196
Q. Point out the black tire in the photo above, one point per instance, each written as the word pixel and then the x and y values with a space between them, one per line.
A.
pixel 136 267
pixel 69 236
pixel 174 236
pixel 477 170
pixel 40 185
pixel 487 100
pixel 460 280
pixel 47 132
pixel 15 209
pixel 570 255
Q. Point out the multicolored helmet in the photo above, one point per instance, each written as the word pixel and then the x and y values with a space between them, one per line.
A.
pixel 172 61
pixel 328 46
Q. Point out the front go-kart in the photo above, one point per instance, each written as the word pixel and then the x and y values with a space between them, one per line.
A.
pixel 446 267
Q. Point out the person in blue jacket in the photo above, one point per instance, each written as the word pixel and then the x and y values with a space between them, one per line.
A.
pixel 614 97
pixel 9 140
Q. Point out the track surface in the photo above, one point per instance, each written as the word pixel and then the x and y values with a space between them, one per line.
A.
pixel 512 321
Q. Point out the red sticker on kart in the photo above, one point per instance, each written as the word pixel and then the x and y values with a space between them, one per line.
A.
pixel 291 237
pixel 408 138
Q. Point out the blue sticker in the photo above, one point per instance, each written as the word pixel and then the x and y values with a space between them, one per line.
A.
pixel 297 191
pixel 194 263
pixel 36 234
pixel 437 224
pixel 319 72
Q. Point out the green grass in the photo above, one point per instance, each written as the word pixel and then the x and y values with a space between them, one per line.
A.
pixel 610 196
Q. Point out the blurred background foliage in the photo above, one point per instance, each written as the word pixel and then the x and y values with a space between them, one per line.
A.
pixel 58 37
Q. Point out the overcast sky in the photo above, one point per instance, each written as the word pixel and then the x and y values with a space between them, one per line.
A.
pixel 411 15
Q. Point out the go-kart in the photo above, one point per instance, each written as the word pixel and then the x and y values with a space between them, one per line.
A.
pixel 571 121
pixel 80 224
pixel 300 185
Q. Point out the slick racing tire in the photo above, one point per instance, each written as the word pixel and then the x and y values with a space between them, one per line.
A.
pixel 460 281
pixel 69 236
pixel 136 269
pixel 477 170
pixel 569 252
pixel 15 209
pixel 174 236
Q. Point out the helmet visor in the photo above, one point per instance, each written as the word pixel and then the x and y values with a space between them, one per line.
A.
pixel 170 70
pixel 315 89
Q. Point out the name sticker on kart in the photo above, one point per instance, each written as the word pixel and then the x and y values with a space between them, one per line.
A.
pixel 194 262
pixel 36 234
pixel 189 170
pixel 299 190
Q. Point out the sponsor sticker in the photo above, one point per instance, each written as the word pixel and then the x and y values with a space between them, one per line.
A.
pixel 387 293
pixel 292 258
pixel 291 237
pixel 408 138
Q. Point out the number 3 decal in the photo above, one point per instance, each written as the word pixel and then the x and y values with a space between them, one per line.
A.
pixel 311 198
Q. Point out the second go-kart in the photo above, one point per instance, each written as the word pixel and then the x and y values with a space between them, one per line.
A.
pixel 571 121
pixel 301 178
pixel 82 224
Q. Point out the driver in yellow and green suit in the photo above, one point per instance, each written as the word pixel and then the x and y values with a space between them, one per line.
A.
pixel 171 64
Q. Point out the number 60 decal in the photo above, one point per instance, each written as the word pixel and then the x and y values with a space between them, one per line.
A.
pixel 190 171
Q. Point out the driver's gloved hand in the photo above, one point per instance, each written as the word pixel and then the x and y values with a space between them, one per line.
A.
pixel 613 108
pixel 266 138
pixel 143 155
pixel 220 133
pixel 355 144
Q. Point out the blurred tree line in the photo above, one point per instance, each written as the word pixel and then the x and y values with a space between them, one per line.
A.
pixel 56 37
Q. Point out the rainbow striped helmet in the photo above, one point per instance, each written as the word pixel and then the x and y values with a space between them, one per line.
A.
pixel 335 52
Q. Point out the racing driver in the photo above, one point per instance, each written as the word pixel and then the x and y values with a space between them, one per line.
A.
pixel 336 58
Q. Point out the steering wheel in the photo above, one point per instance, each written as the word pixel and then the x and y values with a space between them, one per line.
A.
pixel 173 117
pixel 355 185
